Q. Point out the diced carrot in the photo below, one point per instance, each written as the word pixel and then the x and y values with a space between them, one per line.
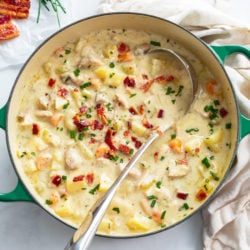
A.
pixel 156 216
pixel 56 118
pixel 43 162
pixel 102 150
pixel 125 57
pixel 213 88
pixel 176 145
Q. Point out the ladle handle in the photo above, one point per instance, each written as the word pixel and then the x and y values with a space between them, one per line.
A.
pixel 19 193
pixel 84 235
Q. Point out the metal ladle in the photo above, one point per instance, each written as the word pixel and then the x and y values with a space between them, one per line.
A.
pixel 85 233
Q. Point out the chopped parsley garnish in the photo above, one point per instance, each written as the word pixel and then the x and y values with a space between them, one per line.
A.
pixel 186 206
pixel 170 91
pixel 206 162
pixel 48 202
pixel 65 106
pixel 158 184
pixel 72 134
pixel 215 177
pixel 213 113
pixel 111 65
pixel 116 209
pixel 67 51
pixel 95 189
pixel 77 72
pixel 181 87
pixel 228 125
pixel 85 85
pixel 192 130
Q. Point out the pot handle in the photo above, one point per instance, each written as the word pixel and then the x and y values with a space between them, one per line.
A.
pixel 19 193
pixel 3 112
pixel 223 52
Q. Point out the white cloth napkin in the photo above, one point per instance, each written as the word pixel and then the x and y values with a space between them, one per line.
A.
pixel 227 217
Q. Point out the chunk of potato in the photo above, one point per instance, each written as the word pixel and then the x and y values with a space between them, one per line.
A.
pixel 106 225
pixel 73 187
pixel 138 128
pixel 193 145
pixel 214 139
pixel 139 223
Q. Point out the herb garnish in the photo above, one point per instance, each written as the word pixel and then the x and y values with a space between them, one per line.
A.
pixel 56 6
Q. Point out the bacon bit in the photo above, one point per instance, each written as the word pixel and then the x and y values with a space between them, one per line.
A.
pixel 141 109
pixel 15 8
pixel 146 124
pixel 78 178
pixel 122 48
pixel 197 150
pixel 62 92
pixel 137 142
pixel 35 129
pixel 160 113
pixel 145 87
pixel 76 90
pixel 83 109
pixel 169 78
pixel 182 196
pixel 80 124
pixel 93 140
pixel 133 111
pixel 51 82
pixel 108 139
pixel 90 178
pixel 176 145
pixel 97 125
pixel 126 133
pixel 160 79
pixel 57 180
pixel 156 156
pixel 144 76
pixel 223 112
pixel 7 29
pixel 201 195
pixel 129 82
pixel 156 216
pixel 129 125
pixel 100 113
pixel 182 162
pixel 124 149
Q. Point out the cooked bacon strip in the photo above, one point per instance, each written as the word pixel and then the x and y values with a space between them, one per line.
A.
pixel 15 8
pixel 7 29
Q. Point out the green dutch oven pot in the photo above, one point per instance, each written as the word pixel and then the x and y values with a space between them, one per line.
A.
pixel 215 57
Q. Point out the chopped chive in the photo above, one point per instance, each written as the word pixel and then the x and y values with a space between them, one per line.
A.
pixel 85 85
pixel 95 189
pixel 173 136
pixel 116 209
pixel 132 95
pixel 228 125
pixel 155 43
pixel 131 151
pixel 216 102
pixel 80 136
pixel 65 106
pixel 151 197
pixel 163 214
pixel 215 177
pixel 152 204
pixel 64 177
pixel 67 51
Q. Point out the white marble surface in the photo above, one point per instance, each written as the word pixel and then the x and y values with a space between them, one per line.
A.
pixel 26 226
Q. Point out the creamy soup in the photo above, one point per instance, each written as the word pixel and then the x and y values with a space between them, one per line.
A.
pixel 94 103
